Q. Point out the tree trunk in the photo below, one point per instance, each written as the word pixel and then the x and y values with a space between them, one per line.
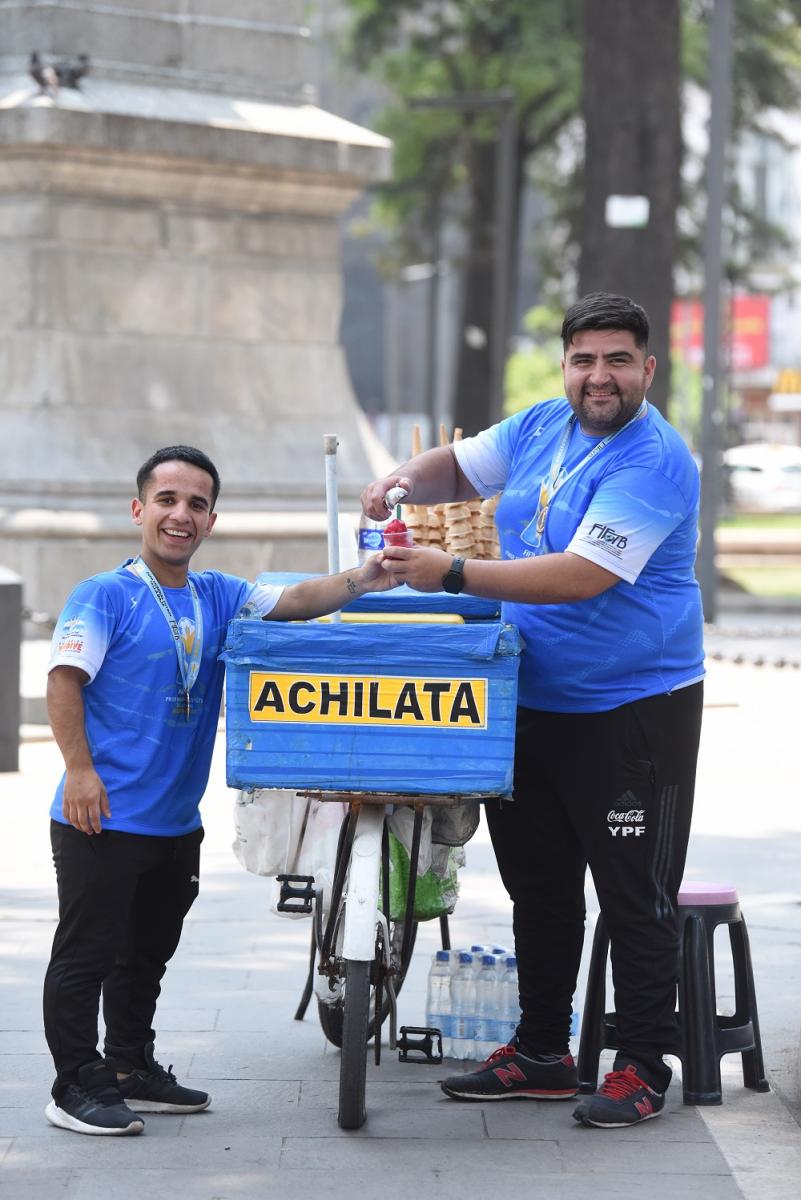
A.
pixel 473 368
pixel 631 108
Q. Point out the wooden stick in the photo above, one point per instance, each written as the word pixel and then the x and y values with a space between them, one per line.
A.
pixel 417 445
pixel 444 440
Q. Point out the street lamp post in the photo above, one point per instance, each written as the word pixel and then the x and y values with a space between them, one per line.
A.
pixel 504 195
pixel 712 417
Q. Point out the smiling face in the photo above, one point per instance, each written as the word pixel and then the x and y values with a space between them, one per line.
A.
pixel 606 377
pixel 175 516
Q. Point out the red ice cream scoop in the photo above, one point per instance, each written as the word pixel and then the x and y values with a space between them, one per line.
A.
pixel 396 534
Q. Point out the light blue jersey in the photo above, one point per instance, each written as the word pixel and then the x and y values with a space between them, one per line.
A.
pixel 631 508
pixel 152 759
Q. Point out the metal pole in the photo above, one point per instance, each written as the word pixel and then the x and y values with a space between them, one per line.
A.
pixel 432 324
pixel 712 416
pixel 505 169
pixel 332 505
pixel 10 638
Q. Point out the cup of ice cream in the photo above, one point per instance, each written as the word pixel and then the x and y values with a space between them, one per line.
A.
pixel 396 534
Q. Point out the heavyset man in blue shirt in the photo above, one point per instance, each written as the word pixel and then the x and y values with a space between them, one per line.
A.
pixel 597 524
pixel 134 690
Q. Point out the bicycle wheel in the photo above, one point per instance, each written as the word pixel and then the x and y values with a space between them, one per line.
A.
pixel 353 1068
pixel 331 1015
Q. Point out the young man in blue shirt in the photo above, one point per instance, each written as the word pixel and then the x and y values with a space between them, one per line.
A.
pixel 134 691
pixel 597 524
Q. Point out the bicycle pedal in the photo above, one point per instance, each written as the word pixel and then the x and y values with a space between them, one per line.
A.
pixel 416 1039
pixel 297 893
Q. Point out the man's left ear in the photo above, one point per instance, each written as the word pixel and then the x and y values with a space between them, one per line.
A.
pixel 210 526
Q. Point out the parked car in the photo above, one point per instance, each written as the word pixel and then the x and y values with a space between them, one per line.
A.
pixel 764 477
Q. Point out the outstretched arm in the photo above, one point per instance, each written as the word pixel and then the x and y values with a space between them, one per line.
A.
pixel 85 798
pixel 328 593
pixel 560 578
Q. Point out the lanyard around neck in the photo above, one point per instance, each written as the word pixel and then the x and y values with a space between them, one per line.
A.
pixel 188 660
pixel 557 477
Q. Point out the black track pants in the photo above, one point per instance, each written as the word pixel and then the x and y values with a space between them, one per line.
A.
pixel 615 790
pixel 122 901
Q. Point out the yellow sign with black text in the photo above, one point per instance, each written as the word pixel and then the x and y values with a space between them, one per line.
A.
pixel 368 700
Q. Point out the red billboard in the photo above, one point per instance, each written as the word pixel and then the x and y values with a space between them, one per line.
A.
pixel 746 329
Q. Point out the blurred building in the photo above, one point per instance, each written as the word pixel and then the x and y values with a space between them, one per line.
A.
pixel 169 247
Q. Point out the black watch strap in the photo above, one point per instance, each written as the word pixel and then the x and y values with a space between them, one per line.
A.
pixel 453 581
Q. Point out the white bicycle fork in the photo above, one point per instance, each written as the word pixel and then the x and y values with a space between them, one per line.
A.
pixel 361 906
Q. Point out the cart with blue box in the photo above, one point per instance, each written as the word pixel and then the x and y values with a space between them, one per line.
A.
pixel 409 699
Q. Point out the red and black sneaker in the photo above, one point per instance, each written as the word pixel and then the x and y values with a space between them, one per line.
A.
pixel 622 1099
pixel 509 1075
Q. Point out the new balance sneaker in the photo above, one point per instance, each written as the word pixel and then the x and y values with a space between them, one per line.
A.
pixel 94 1104
pixel 509 1075
pixel 152 1089
pixel 622 1099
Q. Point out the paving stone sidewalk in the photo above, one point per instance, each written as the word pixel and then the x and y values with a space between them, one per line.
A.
pixel 225 1021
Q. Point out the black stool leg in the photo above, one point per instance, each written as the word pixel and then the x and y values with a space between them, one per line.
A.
pixel 701 1065
pixel 591 1042
pixel 746 1006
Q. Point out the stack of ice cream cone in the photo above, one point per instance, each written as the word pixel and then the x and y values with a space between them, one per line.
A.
pixel 485 530
pixel 466 528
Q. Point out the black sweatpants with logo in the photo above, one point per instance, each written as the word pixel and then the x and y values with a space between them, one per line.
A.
pixel 122 899
pixel 613 790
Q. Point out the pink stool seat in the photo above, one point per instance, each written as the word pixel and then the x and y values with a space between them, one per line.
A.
pixel 707 893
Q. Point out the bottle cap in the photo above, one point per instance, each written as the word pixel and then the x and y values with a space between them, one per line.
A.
pixel 511 961
pixel 443 956
pixel 488 960
pixel 465 956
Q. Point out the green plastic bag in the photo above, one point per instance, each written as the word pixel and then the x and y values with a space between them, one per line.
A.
pixel 437 886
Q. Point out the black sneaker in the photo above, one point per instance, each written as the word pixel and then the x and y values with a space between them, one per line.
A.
pixel 622 1099
pixel 94 1104
pixel 509 1075
pixel 152 1089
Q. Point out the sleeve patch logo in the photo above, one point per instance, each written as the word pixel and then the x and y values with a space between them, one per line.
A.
pixel 607 538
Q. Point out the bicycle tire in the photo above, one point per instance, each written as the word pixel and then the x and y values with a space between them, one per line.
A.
pixel 353 1068
pixel 332 1015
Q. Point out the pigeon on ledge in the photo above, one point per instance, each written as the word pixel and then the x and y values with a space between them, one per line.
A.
pixel 70 72
pixel 43 74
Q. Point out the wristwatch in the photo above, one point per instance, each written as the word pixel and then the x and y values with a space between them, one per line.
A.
pixel 453 582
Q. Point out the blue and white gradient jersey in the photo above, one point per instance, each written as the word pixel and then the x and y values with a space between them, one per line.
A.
pixel 153 761
pixel 632 509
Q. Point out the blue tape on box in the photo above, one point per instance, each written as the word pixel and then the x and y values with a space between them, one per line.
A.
pixel 403 708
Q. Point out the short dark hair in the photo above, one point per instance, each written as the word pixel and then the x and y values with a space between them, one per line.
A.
pixel 187 454
pixel 604 310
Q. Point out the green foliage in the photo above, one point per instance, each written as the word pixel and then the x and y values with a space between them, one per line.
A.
pixel 534 373
pixel 428 48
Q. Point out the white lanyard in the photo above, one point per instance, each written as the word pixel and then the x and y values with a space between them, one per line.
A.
pixel 557 477
pixel 188 660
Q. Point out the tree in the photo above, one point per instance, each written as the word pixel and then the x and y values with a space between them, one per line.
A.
pixel 468 48
pixel 631 112
pixel 635 57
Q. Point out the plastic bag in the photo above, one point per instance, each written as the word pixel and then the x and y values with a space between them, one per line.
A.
pixel 455 824
pixel 263 830
pixel 437 886
pixel 281 833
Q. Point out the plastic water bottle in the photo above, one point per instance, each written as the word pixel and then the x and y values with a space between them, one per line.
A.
pixel 501 954
pixel 370 538
pixel 438 998
pixel 487 996
pixel 508 1002
pixel 463 995
pixel 478 953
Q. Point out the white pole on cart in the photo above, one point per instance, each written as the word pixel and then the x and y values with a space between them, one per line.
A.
pixel 332 505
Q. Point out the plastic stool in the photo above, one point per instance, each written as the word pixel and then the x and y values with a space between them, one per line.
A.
pixel 705 1036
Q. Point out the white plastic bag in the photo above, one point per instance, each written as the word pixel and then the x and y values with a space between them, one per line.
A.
pixel 263 830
